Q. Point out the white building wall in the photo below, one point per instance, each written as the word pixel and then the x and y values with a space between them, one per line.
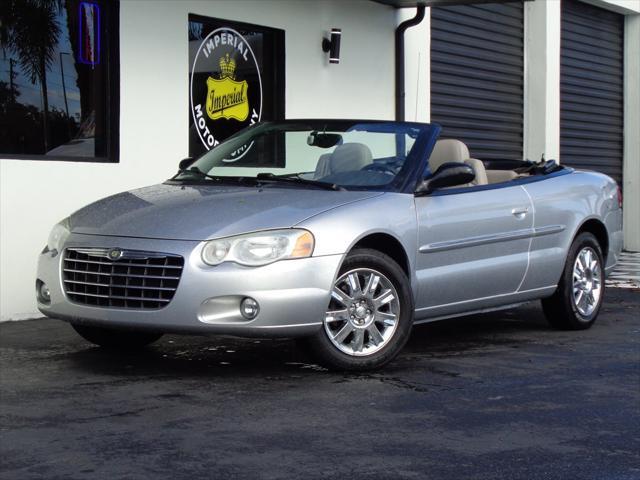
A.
pixel 624 7
pixel 542 80
pixel 154 111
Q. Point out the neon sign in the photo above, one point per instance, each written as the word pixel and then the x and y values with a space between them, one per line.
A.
pixel 89 33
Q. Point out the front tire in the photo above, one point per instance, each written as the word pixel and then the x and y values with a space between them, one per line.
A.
pixel 369 317
pixel 577 301
pixel 116 339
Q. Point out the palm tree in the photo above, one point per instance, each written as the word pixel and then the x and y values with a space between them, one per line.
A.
pixel 31 30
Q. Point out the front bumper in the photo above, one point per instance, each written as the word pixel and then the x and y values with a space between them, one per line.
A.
pixel 293 294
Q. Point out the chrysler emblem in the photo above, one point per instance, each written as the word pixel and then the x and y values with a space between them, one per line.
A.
pixel 115 254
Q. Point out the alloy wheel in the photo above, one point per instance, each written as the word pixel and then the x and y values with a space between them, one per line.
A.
pixel 587 281
pixel 363 313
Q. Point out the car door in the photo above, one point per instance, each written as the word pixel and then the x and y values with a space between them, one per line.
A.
pixel 473 244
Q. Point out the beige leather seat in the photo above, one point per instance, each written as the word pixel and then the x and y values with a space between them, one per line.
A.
pixel 498 176
pixel 450 150
pixel 345 158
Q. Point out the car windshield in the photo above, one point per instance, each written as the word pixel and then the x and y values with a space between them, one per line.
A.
pixel 317 153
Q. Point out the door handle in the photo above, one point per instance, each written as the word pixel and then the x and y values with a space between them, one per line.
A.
pixel 520 213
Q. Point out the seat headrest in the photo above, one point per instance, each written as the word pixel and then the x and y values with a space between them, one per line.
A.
pixel 447 150
pixel 349 157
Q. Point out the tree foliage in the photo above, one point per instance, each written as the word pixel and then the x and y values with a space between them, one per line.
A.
pixel 29 29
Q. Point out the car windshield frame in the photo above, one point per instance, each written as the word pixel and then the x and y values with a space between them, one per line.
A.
pixel 203 168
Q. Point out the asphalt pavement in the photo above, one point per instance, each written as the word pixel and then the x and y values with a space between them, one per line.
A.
pixel 493 396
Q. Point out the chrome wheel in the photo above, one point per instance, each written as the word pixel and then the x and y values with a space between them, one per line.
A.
pixel 363 313
pixel 587 281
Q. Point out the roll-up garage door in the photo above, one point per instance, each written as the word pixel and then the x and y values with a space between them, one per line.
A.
pixel 591 88
pixel 477 77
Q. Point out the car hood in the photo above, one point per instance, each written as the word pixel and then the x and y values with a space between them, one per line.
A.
pixel 201 212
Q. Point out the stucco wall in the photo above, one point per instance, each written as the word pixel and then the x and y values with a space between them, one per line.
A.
pixel 154 111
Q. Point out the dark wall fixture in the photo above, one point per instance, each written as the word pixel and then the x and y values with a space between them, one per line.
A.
pixel 332 45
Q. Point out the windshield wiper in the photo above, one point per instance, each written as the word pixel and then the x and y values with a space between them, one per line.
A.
pixel 261 178
pixel 294 178
pixel 217 178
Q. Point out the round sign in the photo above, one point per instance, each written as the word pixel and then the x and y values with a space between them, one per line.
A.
pixel 225 88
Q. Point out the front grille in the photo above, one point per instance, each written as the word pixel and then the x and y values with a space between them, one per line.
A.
pixel 136 279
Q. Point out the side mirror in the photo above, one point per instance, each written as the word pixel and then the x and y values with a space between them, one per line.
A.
pixel 448 175
pixel 186 163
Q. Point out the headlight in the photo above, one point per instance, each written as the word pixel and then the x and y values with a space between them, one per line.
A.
pixel 58 235
pixel 259 248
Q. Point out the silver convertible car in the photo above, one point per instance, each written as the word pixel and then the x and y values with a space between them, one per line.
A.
pixel 342 232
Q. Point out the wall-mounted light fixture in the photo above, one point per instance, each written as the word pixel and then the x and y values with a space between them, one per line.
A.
pixel 332 45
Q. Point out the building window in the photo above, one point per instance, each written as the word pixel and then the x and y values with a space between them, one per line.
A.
pixel 59 79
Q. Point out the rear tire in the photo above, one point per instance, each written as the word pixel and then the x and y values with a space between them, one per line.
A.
pixel 116 339
pixel 577 301
pixel 369 317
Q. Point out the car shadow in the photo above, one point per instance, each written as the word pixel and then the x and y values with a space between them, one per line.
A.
pixel 492 328
pixel 216 356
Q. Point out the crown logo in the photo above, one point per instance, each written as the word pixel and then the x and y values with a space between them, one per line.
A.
pixel 227 67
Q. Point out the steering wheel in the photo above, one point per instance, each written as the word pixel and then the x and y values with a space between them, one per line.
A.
pixel 379 167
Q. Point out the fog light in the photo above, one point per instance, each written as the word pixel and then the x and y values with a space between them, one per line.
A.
pixel 44 295
pixel 249 308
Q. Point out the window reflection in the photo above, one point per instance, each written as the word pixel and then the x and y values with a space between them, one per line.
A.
pixel 53 78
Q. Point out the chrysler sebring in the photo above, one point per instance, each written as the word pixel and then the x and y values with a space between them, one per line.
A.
pixel 344 233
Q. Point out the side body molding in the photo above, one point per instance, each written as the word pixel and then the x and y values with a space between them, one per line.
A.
pixel 491 238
